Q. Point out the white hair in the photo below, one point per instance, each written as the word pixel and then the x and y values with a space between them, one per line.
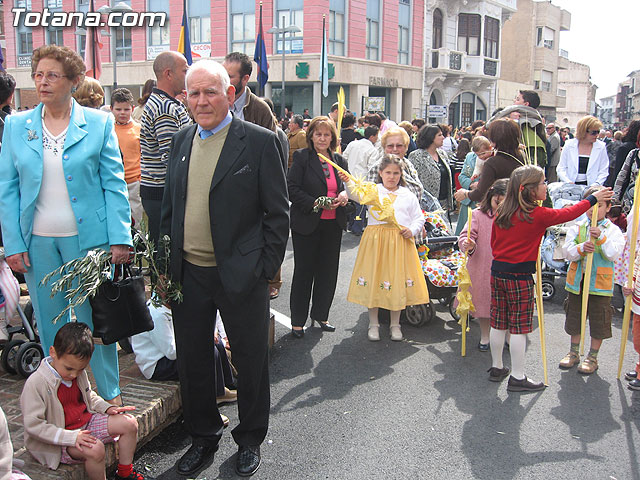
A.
pixel 212 67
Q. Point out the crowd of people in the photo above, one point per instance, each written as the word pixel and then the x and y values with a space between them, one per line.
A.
pixel 207 163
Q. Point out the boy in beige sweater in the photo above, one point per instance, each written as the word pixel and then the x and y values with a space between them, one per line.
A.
pixel 67 422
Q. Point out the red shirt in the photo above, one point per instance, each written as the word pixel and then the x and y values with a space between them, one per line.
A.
pixel 332 191
pixel 516 249
pixel 76 414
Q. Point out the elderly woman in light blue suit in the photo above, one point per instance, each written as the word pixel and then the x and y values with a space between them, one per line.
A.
pixel 62 193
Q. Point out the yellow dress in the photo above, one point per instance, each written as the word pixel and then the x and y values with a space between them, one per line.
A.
pixel 387 273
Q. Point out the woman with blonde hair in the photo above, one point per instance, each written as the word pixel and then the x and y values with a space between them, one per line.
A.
pixel 584 159
pixel 89 93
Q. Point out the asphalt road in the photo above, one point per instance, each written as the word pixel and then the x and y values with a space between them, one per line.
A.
pixel 346 408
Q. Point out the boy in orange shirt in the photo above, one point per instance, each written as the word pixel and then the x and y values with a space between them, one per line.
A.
pixel 128 132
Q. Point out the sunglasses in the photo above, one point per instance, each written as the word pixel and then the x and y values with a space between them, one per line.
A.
pixel 325 169
pixel 593 132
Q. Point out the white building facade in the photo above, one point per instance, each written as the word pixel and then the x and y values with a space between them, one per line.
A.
pixel 462 58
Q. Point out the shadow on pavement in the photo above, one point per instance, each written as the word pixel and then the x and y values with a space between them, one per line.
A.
pixel 339 372
pixel 495 426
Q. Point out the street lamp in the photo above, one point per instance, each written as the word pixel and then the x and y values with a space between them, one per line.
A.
pixel 120 7
pixel 284 30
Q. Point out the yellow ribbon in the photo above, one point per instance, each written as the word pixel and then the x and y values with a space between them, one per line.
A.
pixel 587 282
pixel 465 301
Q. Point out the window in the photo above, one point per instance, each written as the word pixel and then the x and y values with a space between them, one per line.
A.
pixel 545 81
pixel 373 29
pixel 23 4
pixel 159 35
pixel 545 37
pixel 81 39
pixel 243 26
pixel 289 13
pixel 199 22
pixel 469 33
pixel 491 37
pixel 404 15
pixel 24 38
pixel 436 42
pixel 25 43
pixel 123 43
pixel 54 36
pixel 336 27
pixel 54 4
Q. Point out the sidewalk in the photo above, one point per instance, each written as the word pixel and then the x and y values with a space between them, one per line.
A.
pixel 157 405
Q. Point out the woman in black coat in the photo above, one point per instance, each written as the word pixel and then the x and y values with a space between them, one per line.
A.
pixel 317 235
pixel 628 143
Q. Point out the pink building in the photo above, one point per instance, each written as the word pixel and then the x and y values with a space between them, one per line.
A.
pixel 375 46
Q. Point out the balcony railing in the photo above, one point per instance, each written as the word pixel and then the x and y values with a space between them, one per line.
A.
pixel 490 67
pixel 455 61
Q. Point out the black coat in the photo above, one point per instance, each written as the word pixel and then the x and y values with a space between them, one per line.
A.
pixel 306 182
pixel 248 206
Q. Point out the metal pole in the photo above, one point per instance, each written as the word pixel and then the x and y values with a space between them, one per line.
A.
pixel 115 68
pixel 283 47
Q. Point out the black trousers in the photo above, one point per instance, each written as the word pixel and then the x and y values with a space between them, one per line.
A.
pixel 315 272
pixel 153 209
pixel 247 326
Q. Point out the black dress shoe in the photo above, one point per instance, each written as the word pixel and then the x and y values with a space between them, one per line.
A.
pixel 325 326
pixel 248 460
pixel 195 458
pixel 297 333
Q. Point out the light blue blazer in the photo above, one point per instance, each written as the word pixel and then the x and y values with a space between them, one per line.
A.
pixel 92 168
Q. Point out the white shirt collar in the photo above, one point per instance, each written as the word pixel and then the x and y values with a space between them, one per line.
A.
pixel 238 105
pixel 55 372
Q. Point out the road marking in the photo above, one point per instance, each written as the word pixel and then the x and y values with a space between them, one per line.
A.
pixel 281 318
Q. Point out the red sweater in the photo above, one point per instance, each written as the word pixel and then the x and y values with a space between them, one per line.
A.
pixel 515 249
pixel 76 414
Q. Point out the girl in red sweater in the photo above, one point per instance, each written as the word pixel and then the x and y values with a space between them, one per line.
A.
pixel 518 228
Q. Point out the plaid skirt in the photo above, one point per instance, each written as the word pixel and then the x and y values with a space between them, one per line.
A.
pixel 512 302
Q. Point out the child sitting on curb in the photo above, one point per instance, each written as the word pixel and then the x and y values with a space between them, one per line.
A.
pixel 67 422
pixel 607 247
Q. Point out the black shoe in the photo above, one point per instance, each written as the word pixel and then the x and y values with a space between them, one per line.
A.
pixel 297 333
pixel 498 374
pixel 634 384
pixel 324 326
pixel 195 458
pixel 524 385
pixel 248 460
pixel 483 347
pixel 632 375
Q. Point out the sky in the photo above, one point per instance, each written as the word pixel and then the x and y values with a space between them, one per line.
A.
pixel 603 35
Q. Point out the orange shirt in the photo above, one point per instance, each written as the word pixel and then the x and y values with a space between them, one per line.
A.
pixel 129 140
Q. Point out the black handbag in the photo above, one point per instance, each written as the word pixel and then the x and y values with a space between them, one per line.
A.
pixel 119 308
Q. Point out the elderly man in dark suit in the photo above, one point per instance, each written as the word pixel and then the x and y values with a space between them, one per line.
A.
pixel 230 172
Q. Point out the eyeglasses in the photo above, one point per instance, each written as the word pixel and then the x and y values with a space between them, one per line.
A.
pixel 551 128
pixel 325 169
pixel 593 132
pixel 52 77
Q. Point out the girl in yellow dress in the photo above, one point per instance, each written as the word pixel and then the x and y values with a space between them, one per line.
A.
pixel 387 273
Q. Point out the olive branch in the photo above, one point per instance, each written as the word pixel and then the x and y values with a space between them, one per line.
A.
pixel 81 278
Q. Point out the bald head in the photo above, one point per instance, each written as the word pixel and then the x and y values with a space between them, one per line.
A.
pixel 170 69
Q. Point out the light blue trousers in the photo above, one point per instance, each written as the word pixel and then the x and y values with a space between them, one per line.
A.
pixel 47 254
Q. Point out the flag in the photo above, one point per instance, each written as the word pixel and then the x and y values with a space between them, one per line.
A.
pixel 260 56
pixel 324 62
pixel 91 53
pixel 184 42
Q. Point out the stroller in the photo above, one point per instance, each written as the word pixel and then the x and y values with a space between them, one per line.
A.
pixel 18 356
pixel 553 262
pixel 440 261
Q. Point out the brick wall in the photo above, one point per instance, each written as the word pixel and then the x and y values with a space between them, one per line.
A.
pixel 312 33
pixel 389 20
pixel 357 30
pixel 417 48
pixel 219 22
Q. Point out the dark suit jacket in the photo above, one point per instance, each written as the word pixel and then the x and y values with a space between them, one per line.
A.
pixel 306 182
pixel 248 206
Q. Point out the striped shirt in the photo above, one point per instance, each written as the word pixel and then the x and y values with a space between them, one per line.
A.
pixel 163 116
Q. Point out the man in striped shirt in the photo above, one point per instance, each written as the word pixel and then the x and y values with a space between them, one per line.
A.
pixel 163 116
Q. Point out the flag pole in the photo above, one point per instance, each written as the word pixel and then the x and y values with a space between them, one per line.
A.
pixel 93 44
pixel 587 282
pixel 260 87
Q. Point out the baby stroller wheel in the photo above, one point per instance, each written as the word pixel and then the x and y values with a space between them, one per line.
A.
pixel 452 309
pixel 9 354
pixel 548 290
pixel 418 315
pixel 28 358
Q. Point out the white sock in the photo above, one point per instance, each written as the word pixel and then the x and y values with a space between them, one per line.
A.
pixel 373 317
pixel 394 316
pixel 496 340
pixel 517 348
